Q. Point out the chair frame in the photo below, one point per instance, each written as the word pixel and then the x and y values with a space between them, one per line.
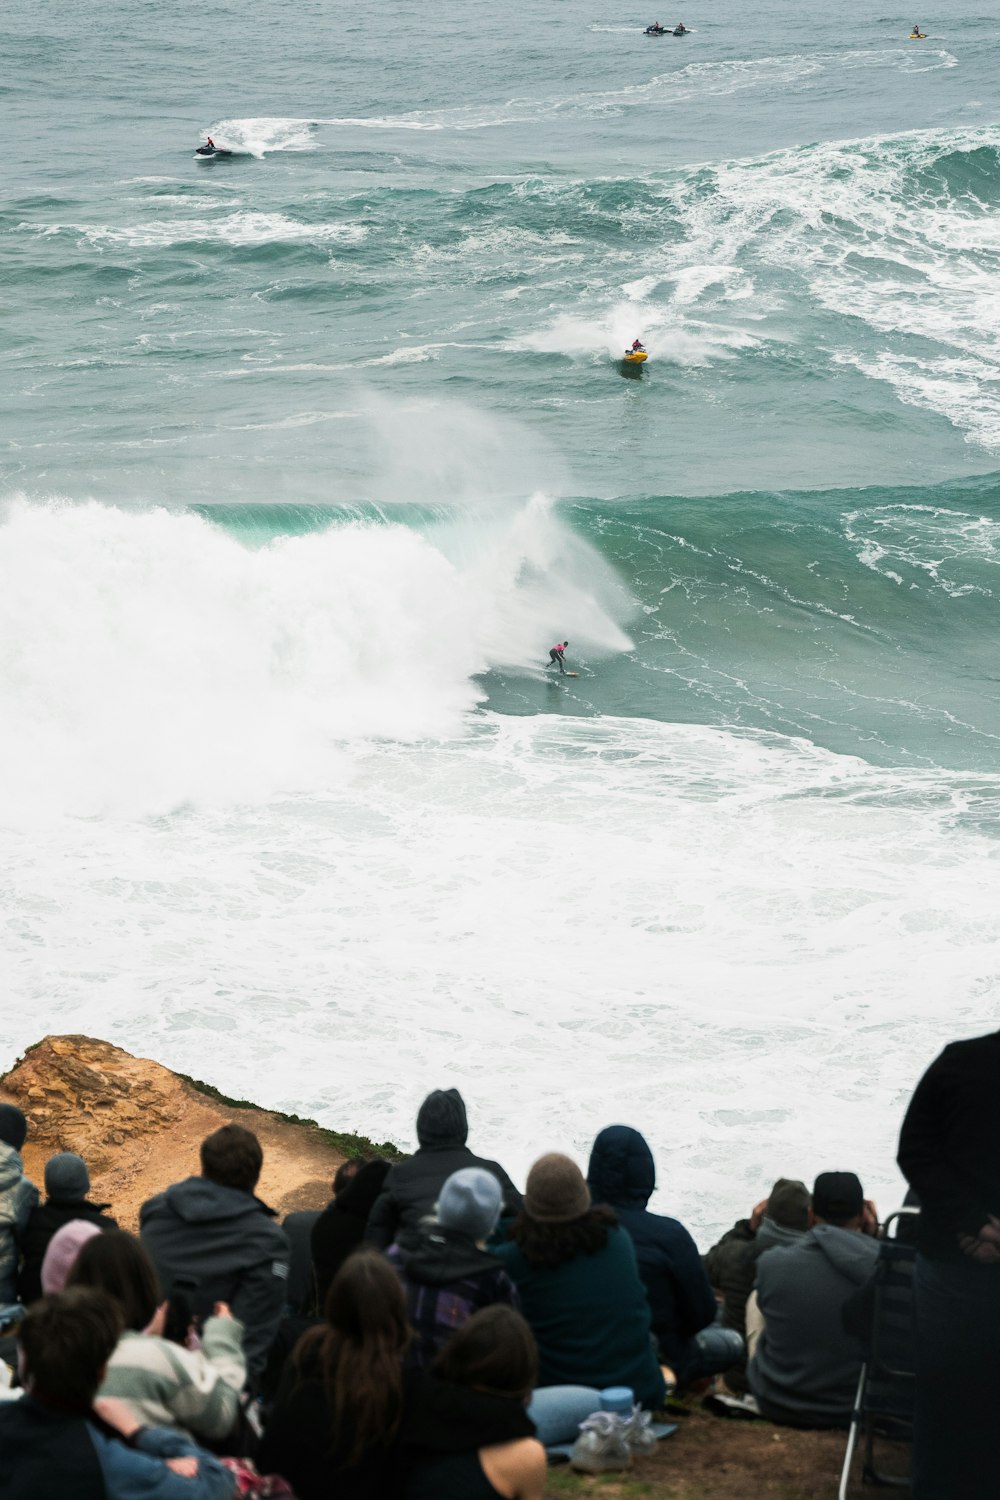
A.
pixel 861 1420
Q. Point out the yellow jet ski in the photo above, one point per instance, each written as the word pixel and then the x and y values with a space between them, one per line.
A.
pixel 635 356
pixel 917 36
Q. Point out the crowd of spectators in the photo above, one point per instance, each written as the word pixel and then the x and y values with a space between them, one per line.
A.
pixel 433 1331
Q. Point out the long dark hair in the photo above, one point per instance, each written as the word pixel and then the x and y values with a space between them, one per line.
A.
pixel 358 1352
pixel 493 1351
pixel 545 1246
pixel 117 1263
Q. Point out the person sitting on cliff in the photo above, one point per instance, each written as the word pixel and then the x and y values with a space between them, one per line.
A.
pixel 162 1382
pixel 213 1238
pixel 57 1441
pixel 622 1175
pixel 18 1197
pixel 340 1228
pixel 67 1183
pixel 300 1293
pixel 804 1365
pixel 412 1187
pixel 448 1274
pixel 782 1218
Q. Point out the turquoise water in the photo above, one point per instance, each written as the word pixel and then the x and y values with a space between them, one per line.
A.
pixel 307 456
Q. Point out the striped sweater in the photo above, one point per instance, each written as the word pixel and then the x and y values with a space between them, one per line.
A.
pixel 165 1385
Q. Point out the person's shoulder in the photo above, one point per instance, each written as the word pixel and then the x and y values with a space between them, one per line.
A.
pixel 519 1465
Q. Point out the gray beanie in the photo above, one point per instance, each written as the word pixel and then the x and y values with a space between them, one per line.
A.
pixel 470 1202
pixel 13 1126
pixel 66 1177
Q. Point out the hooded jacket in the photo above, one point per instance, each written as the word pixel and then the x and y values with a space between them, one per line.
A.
pixel 805 1368
pixel 220 1244
pixel 446 1278
pixel 340 1228
pixel 411 1188
pixel 18 1196
pixel 621 1173
pixel 42 1225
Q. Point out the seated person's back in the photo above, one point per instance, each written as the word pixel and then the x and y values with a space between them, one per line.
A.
pixel 805 1368
pixel 210 1237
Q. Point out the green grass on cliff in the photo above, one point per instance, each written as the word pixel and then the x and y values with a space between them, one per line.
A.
pixel 347 1142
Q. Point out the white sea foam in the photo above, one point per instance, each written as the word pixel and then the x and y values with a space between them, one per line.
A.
pixel 737 942
pixel 263 134
pixel 877 236
pixel 244 227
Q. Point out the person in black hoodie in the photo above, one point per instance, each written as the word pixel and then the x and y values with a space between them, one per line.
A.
pixel 340 1228
pixel 949 1152
pixel 448 1275
pixel 412 1187
pixel 622 1175
pixel 67 1183
pixel 467 1435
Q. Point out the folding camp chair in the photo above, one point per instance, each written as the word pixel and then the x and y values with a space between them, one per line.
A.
pixel 883 1406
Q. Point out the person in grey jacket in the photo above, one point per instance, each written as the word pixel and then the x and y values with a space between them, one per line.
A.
pixel 211 1238
pixel 18 1196
pixel 412 1187
pixel 804 1368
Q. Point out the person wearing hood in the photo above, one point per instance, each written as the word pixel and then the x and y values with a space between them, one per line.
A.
pixel 211 1237
pixel 804 1365
pixel 622 1174
pixel 340 1228
pixel 412 1187
pixel 18 1197
pixel 447 1275
pixel 67 1183
pixel 782 1218
pixel 300 1293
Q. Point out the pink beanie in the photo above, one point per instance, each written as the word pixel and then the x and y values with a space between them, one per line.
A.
pixel 64 1247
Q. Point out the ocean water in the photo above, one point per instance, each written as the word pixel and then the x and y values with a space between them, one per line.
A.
pixel 307 456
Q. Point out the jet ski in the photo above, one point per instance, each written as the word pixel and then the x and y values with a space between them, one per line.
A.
pixel 679 31
pixel 635 356
pixel 917 36
pixel 656 30
pixel 208 152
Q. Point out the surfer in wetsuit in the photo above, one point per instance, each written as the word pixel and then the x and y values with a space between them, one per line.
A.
pixel 556 656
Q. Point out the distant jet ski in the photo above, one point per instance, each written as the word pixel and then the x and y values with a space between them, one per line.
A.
pixel 680 29
pixel 211 149
pixel 655 30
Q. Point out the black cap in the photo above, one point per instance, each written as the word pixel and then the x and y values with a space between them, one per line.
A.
pixel 838 1196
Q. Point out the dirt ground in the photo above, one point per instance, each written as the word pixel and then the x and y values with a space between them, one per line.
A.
pixel 710 1458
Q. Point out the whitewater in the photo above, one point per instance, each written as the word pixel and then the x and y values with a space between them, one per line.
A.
pixel 308 456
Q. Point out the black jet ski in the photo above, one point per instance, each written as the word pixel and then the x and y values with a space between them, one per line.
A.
pixel 655 31
pixel 679 31
pixel 207 152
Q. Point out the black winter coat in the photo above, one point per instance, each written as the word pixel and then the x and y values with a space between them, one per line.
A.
pixel 412 1187
pixel 621 1174
pixel 41 1226
pixel 443 1419
pixel 340 1228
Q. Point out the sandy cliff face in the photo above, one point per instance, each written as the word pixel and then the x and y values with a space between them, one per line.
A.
pixel 138 1127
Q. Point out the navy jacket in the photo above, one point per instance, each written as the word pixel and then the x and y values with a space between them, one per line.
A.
pixel 621 1174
